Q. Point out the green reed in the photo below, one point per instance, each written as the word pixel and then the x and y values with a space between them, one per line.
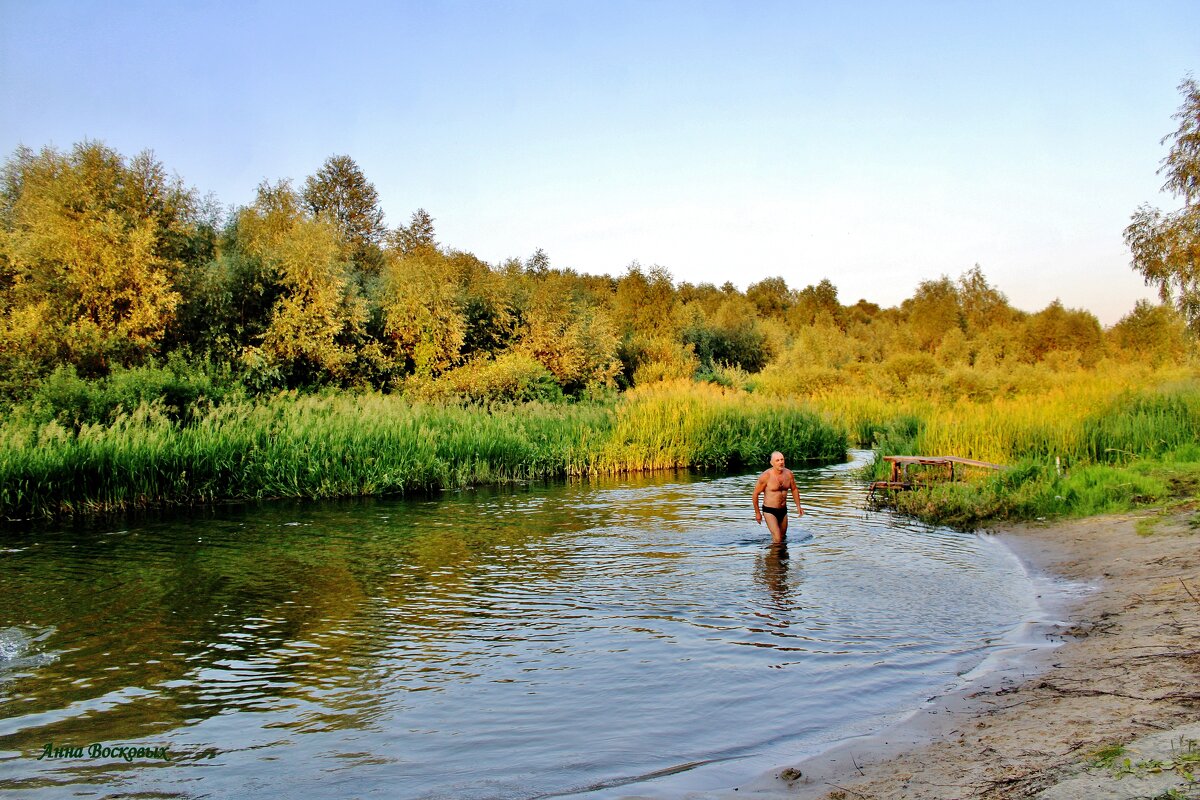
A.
pixel 343 445
pixel 1138 448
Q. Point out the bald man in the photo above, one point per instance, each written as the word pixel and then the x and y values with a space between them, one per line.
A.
pixel 774 485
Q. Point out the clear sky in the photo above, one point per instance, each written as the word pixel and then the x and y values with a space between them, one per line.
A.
pixel 876 144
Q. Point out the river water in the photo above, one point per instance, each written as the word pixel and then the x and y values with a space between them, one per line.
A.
pixel 601 638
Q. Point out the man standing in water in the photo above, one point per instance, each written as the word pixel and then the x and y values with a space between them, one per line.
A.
pixel 774 485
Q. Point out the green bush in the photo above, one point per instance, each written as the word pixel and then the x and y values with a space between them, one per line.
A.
pixel 180 388
pixel 510 378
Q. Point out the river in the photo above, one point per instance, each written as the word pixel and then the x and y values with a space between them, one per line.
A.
pixel 593 638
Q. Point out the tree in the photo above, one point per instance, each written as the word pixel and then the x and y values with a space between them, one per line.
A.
pixel 1056 329
pixel 645 302
pixel 417 235
pixel 933 310
pixel 423 323
pixel 817 303
pixel 487 303
pixel 90 246
pixel 1166 245
pixel 983 305
pixel 342 191
pixel 538 263
pixel 572 338
pixel 1151 334
pixel 770 296
pixel 318 314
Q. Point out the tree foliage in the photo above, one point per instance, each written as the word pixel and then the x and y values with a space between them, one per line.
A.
pixel 934 310
pixel 107 261
pixel 424 325
pixel 340 190
pixel 90 248
pixel 1165 245
pixel 417 235
pixel 319 314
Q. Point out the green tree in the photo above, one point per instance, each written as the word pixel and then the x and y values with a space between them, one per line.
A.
pixel 771 297
pixel 817 303
pixel 570 336
pixel 538 263
pixel 417 235
pixel 933 310
pixel 1152 334
pixel 733 336
pixel 90 246
pixel 1166 245
pixel 1069 331
pixel 318 317
pixel 486 300
pixel 340 190
pixel 423 323
pixel 645 302
pixel 983 306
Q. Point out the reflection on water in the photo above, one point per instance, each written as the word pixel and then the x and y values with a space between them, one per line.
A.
pixel 486 644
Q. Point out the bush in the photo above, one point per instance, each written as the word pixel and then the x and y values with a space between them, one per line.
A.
pixel 180 388
pixel 510 378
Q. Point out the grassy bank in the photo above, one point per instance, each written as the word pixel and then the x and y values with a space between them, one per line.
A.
pixel 1092 443
pixel 342 445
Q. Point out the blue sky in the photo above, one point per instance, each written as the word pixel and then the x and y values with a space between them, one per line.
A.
pixel 875 144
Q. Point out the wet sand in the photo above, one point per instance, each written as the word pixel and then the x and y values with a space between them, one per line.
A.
pixel 1127 672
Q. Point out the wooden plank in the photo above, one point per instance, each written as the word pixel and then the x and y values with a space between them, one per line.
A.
pixel 933 461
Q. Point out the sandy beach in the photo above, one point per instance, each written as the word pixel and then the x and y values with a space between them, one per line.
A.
pixel 1126 673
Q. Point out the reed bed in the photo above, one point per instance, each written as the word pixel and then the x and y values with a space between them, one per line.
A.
pixel 1080 416
pixel 681 424
pixel 323 446
pixel 1084 443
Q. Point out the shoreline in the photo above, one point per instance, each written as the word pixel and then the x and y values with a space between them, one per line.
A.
pixel 1125 665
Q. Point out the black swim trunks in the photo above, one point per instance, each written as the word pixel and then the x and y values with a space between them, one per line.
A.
pixel 778 513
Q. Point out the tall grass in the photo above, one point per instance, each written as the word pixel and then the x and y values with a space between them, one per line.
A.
pixel 681 424
pixel 1084 443
pixel 347 445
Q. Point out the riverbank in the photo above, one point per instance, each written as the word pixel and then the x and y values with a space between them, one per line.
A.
pixel 372 444
pixel 1063 725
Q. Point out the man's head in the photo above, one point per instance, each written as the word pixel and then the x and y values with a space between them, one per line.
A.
pixel 777 460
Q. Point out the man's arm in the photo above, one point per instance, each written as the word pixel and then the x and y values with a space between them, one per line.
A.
pixel 796 497
pixel 759 487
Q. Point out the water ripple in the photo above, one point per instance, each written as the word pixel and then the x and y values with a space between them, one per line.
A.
pixel 507 643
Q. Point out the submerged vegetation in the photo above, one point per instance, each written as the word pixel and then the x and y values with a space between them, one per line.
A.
pixel 156 349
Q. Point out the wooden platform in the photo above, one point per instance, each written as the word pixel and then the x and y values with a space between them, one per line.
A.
pixel 900 480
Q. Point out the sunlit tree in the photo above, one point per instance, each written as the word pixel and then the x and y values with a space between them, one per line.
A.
pixel 487 303
pixel 1069 331
pixel 319 314
pixel 91 244
pixel 423 323
pixel 340 190
pixel 645 302
pixel 1166 244
pixel 933 310
pixel 817 303
pixel 771 297
pixel 418 234
pixel 572 338
pixel 1152 334
pixel 983 306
